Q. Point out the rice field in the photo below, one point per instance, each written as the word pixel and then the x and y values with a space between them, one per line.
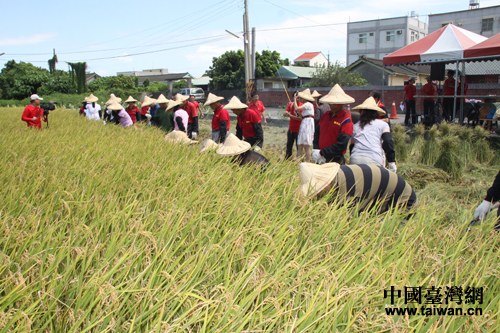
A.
pixel 105 229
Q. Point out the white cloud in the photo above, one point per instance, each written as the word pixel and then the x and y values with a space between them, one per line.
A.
pixel 26 40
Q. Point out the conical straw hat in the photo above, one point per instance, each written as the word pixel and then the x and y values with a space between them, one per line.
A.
pixel 181 98
pixel 115 106
pixel 306 94
pixel 336 96
pixel 233 146
pixel 172 104
pixel 92 99
pixel 161 99
pixel 235 104
pixel 212 99
pixel 208 145
pixel 315 178
pixel 130 99
pixel 370 104
pixel 113 98
pixel 179 137
pixel 315 94
pixel 147 101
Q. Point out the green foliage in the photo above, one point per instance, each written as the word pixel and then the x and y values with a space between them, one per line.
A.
pixel 77 72
pixel 336 73
pixel 449 159
pixel 180 84
pixel 52 64
pixel 120 85
pixel 58 82
pixel 268 63
pixel 157 87
pixel 145 84
pixel 19 80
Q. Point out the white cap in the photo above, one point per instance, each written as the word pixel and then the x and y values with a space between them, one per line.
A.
pixel 35 97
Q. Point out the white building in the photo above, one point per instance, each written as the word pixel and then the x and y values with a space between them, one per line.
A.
pixel 484 21
pixel 311 59
pixel 377 38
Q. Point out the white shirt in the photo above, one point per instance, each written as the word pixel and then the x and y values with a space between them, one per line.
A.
pixel 308 109
pixel 184 116
pixel 368 140
pixel 92 112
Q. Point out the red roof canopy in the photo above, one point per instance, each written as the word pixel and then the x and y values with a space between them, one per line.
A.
pixel 307 56
pixel 490 47
pixel 445 44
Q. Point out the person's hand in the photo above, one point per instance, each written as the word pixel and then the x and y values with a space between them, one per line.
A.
pixel 286 115
pixel 317 158
pixel 34 118
pixel 392 167
pixel 482 210
pixel 256 148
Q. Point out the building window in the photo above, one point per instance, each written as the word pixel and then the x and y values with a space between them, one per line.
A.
pixel 487 24
pixel 414 36
pixel 362 38
pixel 390 36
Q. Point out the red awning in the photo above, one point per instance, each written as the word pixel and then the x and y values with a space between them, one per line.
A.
pixel 445 44
pixel 490 47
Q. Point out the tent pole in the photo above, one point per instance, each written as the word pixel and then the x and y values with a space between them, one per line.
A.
pixel 462 93
pixel 455 94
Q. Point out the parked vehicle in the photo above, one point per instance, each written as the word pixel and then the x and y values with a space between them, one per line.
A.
pixel 198 93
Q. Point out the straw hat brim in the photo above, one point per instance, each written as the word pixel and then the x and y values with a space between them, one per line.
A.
pixel 305 96
pixel 315 94
pixel 181 98
pixel 179 137
pixel 233 146
pixel 162 100
pixel 315 178
pixel 211 99
pixel 130 99
pixel 370 104
pixel 172 104
pixel 92 99
pixel 337 96
pixel 115 106
pixel 208 145
pixel 235 104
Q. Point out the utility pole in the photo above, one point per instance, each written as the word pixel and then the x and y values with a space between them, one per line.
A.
pixel 252 68
pixel 247 51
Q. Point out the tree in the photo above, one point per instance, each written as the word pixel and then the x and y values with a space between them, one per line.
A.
pixel 268 63
pixel 329 76
pixel 58 82
pixel 19 80
pixel 228 71
pixel 78 75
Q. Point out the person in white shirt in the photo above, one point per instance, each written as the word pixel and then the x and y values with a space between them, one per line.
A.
pixel 181 117
pixel 372 142
pixel 92 109
pixel 306 130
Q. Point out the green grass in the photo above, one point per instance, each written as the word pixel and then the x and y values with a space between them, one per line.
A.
pixel 113 230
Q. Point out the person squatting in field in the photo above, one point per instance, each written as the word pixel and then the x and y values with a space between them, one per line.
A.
pixel 491 200
pixel 33 113
pixel 192 111
pixel 132 109
pixel 92 109
pixel 366 186
pixel 241 152
pixel 248 123
pixel 181 117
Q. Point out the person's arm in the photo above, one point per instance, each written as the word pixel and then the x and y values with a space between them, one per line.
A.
pixel 334 151
pixel 388 146
pixel 222 130
pixel 296 106
pixel 259 134
pixel 27 116
pixel 493 193
pixel 239 131
pixel 178 121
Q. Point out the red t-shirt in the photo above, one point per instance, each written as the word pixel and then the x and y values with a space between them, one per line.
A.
pixel 31 111
pixel 192 111
pixel 258 107
pixel 410 92
pixel 144 110
pixel 220 114
pixel 246 122
pixel 132 110
pixel 429 89
pixel 294 125
pixel 449 87
pixel 331 126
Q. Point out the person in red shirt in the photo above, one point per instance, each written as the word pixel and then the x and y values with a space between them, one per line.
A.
pixel 293 128
pixel 410 92
pixel 449 90
pixel 429 89
pixel 193 100
pixel 335 127
pixel 249 125
pixel 192 110
pixel 220 119
pixel 33 113
pixel 257 105
pixel 132 109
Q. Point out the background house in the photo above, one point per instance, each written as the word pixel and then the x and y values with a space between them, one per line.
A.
pixel 311 59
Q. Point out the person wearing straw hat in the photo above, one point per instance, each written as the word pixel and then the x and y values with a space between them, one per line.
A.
pixel 132 109
pixel 240 152
pixel 92 109
pixel 220 119
pixel 145 109
pixel 335 127
pixel 192 111
pixel 123 117
pixel 258 106
pixel 208 145
pixel 366 185
pixel 33 113
pixel 110 115
pixel 163 118
pixel 317 116
pixel 293 128
pixel 372 141
pixel 249 125
pixel 181 116
pixel 306 132
pixel 179 137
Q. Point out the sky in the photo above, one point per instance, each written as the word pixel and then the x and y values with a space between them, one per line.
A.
pixel 184 36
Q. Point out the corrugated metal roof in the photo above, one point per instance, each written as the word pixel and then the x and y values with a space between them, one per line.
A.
pixel 296 72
